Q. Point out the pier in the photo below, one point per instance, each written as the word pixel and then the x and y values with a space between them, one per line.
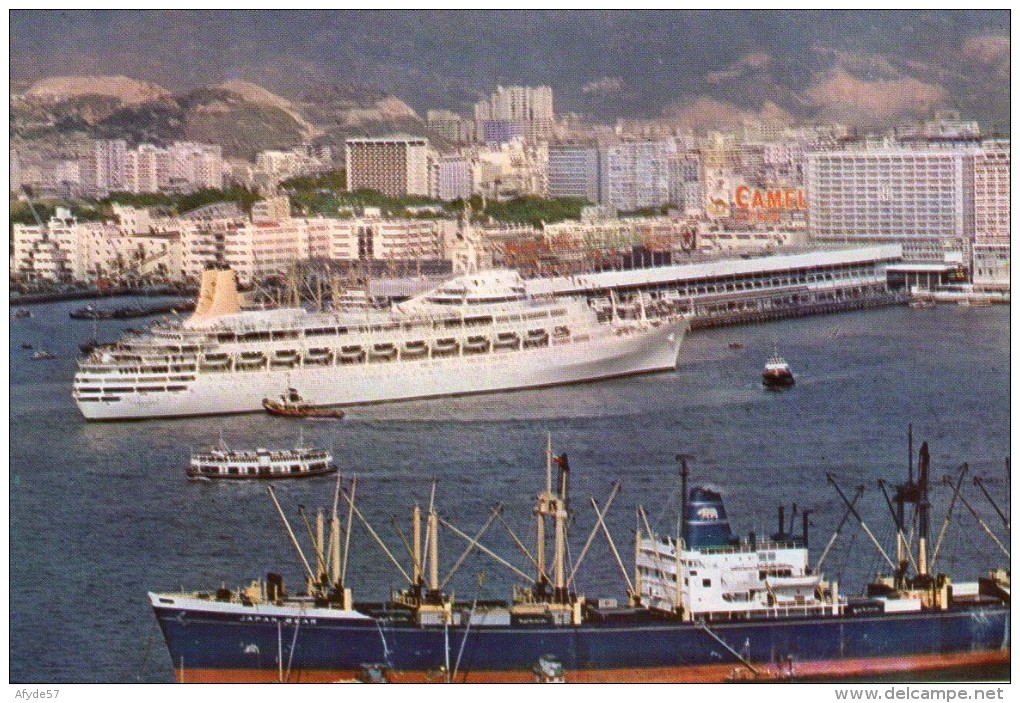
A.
pixel 749 289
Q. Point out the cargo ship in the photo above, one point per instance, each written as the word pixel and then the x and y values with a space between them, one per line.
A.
pixel 476 333
pixel 703 605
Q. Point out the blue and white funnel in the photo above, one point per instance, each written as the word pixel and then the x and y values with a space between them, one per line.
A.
pixel 707 525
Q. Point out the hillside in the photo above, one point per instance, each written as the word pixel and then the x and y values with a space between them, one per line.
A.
pixel 243 117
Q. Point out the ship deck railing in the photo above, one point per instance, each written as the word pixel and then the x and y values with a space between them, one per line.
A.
pixel 775 612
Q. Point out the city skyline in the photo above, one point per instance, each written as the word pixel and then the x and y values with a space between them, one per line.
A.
pixel 864 68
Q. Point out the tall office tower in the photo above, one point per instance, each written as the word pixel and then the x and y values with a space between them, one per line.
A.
pixel 636 174
pixel 916 197
pixel 574 171
pixel 530 107
pixel 396 166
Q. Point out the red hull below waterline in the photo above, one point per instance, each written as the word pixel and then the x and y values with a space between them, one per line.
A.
pixel 718 673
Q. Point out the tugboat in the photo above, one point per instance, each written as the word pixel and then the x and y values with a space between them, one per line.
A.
pixel 777 374
pixel 222 462
pixel 291 404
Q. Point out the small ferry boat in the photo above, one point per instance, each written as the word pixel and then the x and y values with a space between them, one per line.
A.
pixel 222 462
pixel 291 404
pixel 777 373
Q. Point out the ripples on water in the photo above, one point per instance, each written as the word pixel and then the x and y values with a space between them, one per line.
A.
pixel 101 513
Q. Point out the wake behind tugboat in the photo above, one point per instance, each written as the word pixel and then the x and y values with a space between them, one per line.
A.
pixel 703 605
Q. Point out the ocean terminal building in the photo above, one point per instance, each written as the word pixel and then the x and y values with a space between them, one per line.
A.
pixel 749 288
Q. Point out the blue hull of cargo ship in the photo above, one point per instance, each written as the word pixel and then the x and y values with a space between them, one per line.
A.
pixel 231 647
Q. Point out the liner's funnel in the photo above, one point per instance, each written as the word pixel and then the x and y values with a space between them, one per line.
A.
pixel 217 296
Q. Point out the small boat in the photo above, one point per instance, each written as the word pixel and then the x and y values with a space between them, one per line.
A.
pixel 736 345
pixel 922 304
pixel 43 354
pixel 777 373
pixel 291 404
pixel 222 462
pixel 549 669
pixel 26 345
pixel 22 313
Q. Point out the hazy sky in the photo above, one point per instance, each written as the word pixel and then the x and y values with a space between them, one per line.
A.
pixel 696 65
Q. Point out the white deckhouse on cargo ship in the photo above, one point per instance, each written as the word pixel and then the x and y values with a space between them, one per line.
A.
pixel 477 333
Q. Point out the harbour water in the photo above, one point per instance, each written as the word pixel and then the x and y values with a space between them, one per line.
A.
pixel 101 513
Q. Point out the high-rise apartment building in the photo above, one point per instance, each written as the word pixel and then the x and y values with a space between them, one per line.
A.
pixel 685 189
pixel 452 126
pixel 528 106
pixel 109 158
pixel 635 175
pixel 990 260
pixel 574 171
pixel 147 169
pixel 451 177
pixel 196 166
pixel 991 193
pixel 396 166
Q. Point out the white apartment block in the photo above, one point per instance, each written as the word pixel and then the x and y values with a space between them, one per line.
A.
pixel 636 174
pixel 452 126
pixel 147 169
pixel 274 166
pixel 36 256
pixel 255 250
pixel 511 170
pixel 912 196
pixel 991 194
pixel 451 177
pixel 196 166
pixel 108 165
pixel 274 209
pixel 574 171
pixel 65 249
pixel 396 166
pixel 530 107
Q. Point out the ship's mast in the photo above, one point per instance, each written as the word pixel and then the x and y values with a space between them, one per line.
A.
pixel 923 509
pixel 553 506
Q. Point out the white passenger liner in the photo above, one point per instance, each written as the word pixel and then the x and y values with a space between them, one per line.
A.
pixel 476 333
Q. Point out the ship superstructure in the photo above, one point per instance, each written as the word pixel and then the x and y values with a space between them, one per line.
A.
pixel 703 605
pixel 477 333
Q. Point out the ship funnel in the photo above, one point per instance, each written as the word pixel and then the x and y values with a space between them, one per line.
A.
pixel 707 524
pixel 217 297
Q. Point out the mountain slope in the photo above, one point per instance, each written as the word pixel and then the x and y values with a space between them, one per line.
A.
pixel 243 117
